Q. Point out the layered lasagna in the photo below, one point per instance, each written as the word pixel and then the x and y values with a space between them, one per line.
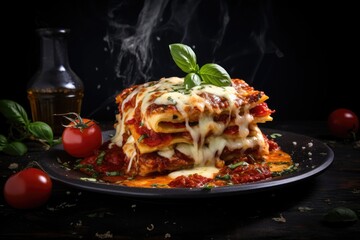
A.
pixel 162 127
pixel 170 136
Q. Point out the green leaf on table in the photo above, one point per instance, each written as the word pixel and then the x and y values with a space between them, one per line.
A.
pixel 3 142
pixel 340 215
pixel 15 148
pixel 14 112
pixel 42 131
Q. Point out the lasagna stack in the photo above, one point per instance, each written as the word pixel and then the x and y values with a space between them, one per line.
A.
pixel 162 127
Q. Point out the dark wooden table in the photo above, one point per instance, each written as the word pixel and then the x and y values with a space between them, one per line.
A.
pixel 294 212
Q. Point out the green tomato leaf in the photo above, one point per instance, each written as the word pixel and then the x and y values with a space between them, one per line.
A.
pixel 192 80
pixel 14 112
pixel 3 142
pixel 15 149
pixel 184 57
pixel 212 73
pixel 42 131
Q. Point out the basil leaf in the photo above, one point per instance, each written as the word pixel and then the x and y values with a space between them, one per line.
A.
pixel 184 57
pixel 192 80
pixel 340 215
pixel 3 142
pixel 210 73
pixel 42 131
pixel 213 73
pixel 14 112
pixel 15 149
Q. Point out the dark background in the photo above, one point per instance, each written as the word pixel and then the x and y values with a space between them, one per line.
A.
pixel 302 54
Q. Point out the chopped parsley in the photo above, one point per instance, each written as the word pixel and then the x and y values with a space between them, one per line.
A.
pixel 142 137
pixel 100 158
pixel 235 165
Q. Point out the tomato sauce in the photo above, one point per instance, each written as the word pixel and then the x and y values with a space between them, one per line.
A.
pixel 236 173
pixel 261 110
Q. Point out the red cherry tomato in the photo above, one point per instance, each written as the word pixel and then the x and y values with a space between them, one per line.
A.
pixel 343 123
pixel 81 137
pixel 29 188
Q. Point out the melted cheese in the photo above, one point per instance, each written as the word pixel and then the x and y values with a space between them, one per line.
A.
pixel 208 140
pixel 207 154
pixel 203 171
pixel 130 151
pixel 122 118
pixel 166 153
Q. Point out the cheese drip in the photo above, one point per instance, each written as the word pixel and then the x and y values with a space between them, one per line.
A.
pixel 208 140
pixel 203 151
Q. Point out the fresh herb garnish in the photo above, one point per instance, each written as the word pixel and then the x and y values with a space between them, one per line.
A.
pixel 158 185
pixel 235 165
pixel 142 137
pixel 211 73
pixel 84 166
pixel 192 80
pixel 224 177
pixel 113 173
pixel 170 99
pixel 290 169
pixel 89 179
pixel 207 187
pixel 21 129
pixel 100 158
pixel 275 135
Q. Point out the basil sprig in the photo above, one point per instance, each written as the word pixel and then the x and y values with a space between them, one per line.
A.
pixel 21 129
pixel 340 215
pixel 211 73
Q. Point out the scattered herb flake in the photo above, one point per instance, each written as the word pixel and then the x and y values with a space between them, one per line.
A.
pixel 157 185
pixel 13 166
pixel 279 219
pixel 275 135
pixel 108 234
pixel 100 158
pixel 224 177
pixel 150 227
pixel 112 174
pixel 142 137
pixel 88 179
pixel 304 209
pixel 235 165
pixel 170 99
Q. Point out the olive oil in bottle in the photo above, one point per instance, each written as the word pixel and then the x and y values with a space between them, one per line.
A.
pixel 55 88
pixel 45 104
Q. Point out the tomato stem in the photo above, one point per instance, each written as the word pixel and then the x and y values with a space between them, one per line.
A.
pixel 77 122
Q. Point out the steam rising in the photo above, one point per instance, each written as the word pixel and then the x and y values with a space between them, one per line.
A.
pixel 230 33
pixel 131 44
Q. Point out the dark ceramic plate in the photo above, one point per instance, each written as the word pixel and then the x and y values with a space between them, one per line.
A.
pixel 311 155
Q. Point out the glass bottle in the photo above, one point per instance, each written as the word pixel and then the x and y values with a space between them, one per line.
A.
pixel 55 88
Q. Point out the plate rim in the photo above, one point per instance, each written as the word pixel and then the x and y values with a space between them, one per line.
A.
pixel 51 167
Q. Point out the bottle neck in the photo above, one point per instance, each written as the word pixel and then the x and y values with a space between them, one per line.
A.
pixel 53 49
